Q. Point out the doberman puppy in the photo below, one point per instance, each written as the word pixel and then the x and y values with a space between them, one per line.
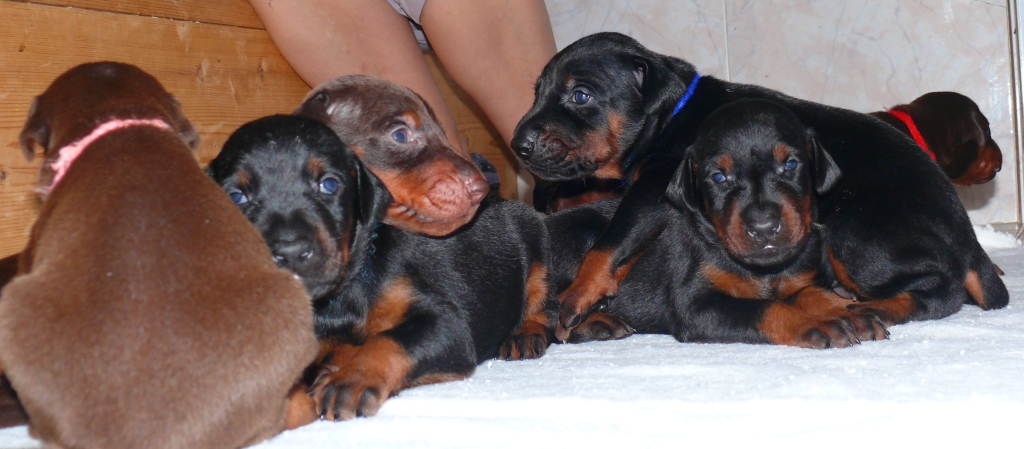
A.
pixel 393 308
pixel 572 232
pixel 952 130
pixel 744 202
pixel 435 190
pixel 147 311
pixel 948 126
pixel 395 134
pixel 892 229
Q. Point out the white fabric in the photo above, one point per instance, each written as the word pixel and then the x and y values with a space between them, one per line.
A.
pixel 955 382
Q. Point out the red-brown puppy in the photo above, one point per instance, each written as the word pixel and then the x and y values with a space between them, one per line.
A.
pixel 435 189
pixel 953 131
pixel 147 311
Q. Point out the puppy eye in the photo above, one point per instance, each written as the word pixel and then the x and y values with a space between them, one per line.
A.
pixel 718 177
pixel 400 136
pixel 580 97
pixel 239 198
pixel 329 185
pixel 791 165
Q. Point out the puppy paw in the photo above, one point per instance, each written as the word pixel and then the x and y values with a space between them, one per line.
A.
pixel 600 326
pixel 354 381
pixel 868 327
pixel 343 397
pixel 786 325
pixel 594 282
pixel 880 314
pixel 530 341
pixel 828 333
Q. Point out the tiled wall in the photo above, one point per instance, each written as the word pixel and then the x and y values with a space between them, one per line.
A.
pixel 858 54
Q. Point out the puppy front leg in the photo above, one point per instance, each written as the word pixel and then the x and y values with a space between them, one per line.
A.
pixel 429 345
pixel 713 316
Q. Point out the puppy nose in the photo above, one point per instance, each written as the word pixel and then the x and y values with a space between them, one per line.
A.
pixel 290 252
pixel 523 143
pixel 762 224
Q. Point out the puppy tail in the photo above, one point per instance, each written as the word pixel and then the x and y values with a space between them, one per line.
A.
pixel 984 287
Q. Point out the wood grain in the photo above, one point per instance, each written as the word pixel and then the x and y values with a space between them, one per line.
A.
pixel 221 12
pixel 224 76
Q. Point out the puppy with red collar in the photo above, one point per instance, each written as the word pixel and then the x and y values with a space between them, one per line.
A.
pixel 147 311
pixel 952 130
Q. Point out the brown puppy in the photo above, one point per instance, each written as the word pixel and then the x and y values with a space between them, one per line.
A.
pixel 147 311
pixel 435 189
pixel 953 131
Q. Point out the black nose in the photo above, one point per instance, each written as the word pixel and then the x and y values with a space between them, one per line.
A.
pixel 288 253
pixel 523 143
pixel 762 223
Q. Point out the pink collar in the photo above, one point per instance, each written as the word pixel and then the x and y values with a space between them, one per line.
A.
pixel 909 121
pixel 70 152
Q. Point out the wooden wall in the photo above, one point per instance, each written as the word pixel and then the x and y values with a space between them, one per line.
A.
pixel 212 54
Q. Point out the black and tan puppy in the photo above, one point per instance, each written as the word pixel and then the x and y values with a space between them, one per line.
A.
pixel 393 308
pixel 893 231
pixel 952 130
pixel 147 311
pixel 739 258
pixel 395 134
pixel 435 189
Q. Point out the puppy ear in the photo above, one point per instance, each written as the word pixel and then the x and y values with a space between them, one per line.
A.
pixel 35 132
pixel 371 203
pixel 683 190
pixel 825 171
pixel 184 126
pixel 640 68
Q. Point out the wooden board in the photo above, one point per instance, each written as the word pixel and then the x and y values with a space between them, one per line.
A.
pixel 224 76
pixel 222 12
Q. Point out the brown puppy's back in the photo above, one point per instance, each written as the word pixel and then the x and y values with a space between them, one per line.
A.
pixel 150 313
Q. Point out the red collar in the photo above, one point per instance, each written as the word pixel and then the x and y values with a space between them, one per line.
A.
pixel 909 121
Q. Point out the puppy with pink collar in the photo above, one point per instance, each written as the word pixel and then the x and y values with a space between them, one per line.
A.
pixel 146 311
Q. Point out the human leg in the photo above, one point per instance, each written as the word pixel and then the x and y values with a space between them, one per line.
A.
pixel 324 39
pixel 494 49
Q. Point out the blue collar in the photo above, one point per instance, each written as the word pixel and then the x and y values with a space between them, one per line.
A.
pixel 687 95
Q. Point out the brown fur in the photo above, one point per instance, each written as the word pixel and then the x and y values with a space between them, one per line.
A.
pixel 956 131
pixel 533 336
pixel 891 311
pixel 378 368
pixel 147 311
pixel 374 371
pixel 596 277
pixel 787 325
pixel 435 189
pixel 973 285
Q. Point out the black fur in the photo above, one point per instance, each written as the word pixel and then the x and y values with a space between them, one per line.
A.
pixel 469 289
pixel 892 221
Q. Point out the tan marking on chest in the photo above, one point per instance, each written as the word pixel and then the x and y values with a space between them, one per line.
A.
pixel 751 287
pixel 390 308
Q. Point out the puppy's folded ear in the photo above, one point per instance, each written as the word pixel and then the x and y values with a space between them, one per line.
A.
pixel 683 190
pixel 35 132
pixel 184 126
pixel 371 203
pixel 825 172
pixel 640 72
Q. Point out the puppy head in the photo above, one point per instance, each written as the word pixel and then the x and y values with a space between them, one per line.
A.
pixel 310 197
pixel 959 135
pixel 393 131
pixel 752 177
pixel 89 94
pixel 592 103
